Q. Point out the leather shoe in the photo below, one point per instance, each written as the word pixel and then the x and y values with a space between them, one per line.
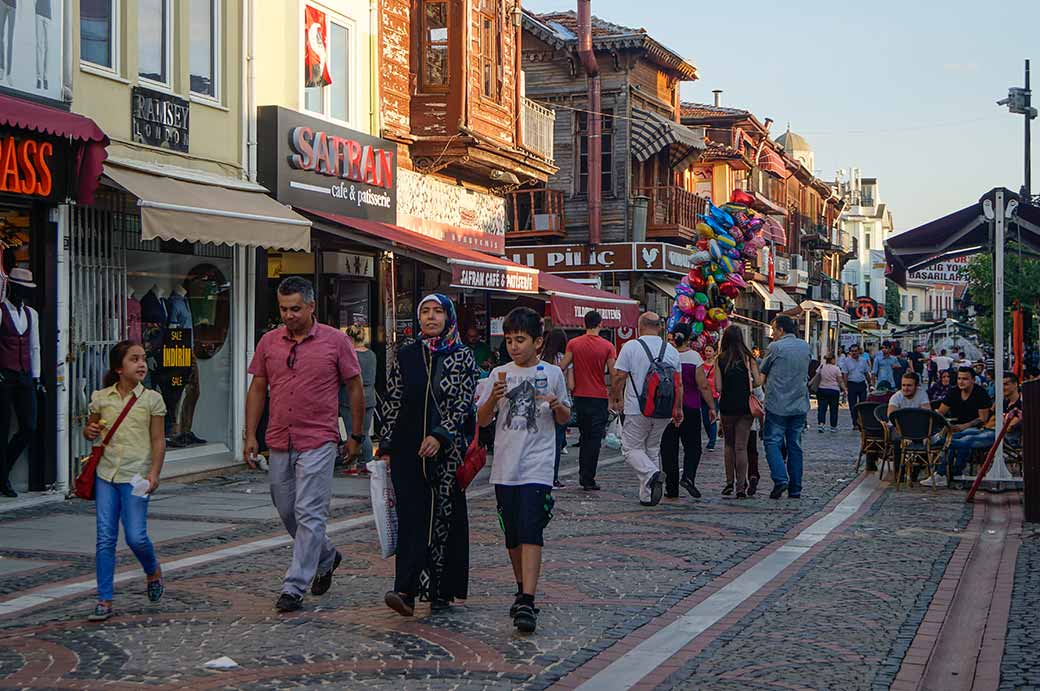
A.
pixel 656 486
pixel 591 487
pixel 687 484
pixel 778 491
pixel 287 602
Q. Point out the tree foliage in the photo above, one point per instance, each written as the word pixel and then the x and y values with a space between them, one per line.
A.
pixel 1021 282
pixel 893 303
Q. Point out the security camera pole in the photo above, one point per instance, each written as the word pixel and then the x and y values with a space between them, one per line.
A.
pixel 1018 102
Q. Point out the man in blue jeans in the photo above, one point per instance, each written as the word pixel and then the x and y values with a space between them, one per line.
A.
pixel 786 368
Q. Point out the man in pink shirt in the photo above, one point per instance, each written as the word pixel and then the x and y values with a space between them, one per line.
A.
pixel 592 357
pixel 303 363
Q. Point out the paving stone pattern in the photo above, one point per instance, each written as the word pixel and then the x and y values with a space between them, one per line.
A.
pixel 1019 668
pixel 842 621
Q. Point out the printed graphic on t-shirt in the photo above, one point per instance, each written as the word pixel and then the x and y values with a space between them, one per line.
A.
pixel 522 413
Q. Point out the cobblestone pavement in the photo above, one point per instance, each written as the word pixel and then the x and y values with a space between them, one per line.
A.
pixel 841 617
pixel 1019 669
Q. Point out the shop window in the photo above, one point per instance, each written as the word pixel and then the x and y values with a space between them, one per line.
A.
pixel 333 101
pixel 99 32
pixel 179 307
pixel 491 49
pixel 436 64
pixel 154 37
pixel 205 48
pixel 582 147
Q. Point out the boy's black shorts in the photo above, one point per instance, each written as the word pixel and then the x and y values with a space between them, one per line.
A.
pixel 523 513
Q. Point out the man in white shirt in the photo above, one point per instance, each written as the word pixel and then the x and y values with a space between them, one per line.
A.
pixel 19 373
pixel 641 435
pixel 942 361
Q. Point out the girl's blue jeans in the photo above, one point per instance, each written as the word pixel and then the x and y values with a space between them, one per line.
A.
pixel 116 504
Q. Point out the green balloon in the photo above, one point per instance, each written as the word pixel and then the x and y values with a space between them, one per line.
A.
pixel 700 298
pixel 697 328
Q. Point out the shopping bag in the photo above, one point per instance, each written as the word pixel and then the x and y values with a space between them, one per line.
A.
pixel 384 506
pixel 613 439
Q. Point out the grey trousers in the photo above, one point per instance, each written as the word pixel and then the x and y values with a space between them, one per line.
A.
pixel 301 487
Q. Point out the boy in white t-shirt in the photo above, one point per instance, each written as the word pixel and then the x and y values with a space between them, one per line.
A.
pixel 529 398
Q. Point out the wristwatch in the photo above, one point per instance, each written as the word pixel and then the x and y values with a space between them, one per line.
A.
pixel 359 438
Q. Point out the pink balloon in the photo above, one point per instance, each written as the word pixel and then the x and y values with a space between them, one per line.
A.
pixel 699 312
pixel 738 279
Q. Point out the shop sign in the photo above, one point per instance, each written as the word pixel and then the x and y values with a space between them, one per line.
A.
pixel 312 164
pixel 159 119
pixel 32 166
pixel 619 256
pixel 486 277
pixel 949 272
pixel 348 264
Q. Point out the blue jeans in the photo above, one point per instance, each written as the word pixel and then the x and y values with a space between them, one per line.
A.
pixel 785 430
pixel 116 504
pixel 964 442
pixel 712 428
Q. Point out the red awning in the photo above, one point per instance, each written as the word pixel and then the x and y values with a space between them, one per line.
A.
pixel 770 161
pixel 570 301
pixel 90 154
pixel 469 268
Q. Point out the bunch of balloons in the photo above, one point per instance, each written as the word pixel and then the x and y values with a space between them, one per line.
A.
pixel 729 235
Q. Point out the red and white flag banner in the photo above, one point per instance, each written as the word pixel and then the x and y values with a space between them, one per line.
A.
pixel 316 39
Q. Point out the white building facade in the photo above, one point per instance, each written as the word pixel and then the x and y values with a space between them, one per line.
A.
pixel 869 220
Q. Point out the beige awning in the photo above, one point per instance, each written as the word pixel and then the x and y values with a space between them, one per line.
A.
pixel 175 209
pixel 777 301
pixel 664 285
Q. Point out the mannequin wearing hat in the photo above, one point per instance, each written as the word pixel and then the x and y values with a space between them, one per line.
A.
pixel 19 372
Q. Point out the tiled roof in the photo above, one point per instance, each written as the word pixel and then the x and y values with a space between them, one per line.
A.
pixel 717 151
pixel 703 110
pixel 600 28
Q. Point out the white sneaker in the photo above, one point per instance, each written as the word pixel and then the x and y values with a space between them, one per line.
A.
pixel 936 480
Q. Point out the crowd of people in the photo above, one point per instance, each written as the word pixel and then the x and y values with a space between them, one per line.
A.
pixel 444 396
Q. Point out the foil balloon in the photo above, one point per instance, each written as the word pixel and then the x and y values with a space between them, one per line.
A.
pixel 696 280
pixel 738 280
pixel 699 313
pixel 729 289
pixel 749 250
pixel 697 329
pixel 703 244
pixel 710 324
pixel 722 216
pixel 741 197
pixel 719 276
pixel 717 314
pixel 714 249
pixel 673 321
pixel 714 224
pixel 685 290
pixel 705 231
pixel 686 319
pixel 727 264
pixel 738 266
pixel 733 253
pixel 701 299
pixel 700 257
pixel 685 304
pixel 725 241
pixel 755 224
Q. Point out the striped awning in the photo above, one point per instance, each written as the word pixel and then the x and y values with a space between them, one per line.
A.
pixel 652 133
pixel 770 161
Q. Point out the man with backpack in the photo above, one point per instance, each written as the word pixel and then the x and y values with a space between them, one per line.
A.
pixel 647 390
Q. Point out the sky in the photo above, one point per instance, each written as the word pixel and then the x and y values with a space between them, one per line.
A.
pixel 904 90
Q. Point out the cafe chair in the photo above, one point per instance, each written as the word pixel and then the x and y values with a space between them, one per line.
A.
pixel 924 438
pixel 888 455
pixel 871 432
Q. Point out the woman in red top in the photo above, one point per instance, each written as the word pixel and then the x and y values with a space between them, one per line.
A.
pixel 710 426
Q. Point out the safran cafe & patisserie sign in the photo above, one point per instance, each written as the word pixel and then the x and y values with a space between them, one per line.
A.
pixel 309 163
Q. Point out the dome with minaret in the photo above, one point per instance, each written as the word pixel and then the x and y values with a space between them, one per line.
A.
pixel 796 146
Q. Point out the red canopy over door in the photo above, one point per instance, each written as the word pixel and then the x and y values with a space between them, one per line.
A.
pixel 571 301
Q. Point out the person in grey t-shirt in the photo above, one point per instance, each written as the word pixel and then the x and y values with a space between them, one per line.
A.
pixel 786 367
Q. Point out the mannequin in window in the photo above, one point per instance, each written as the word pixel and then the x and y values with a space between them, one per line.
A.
pixel 19 373
pixel 133 316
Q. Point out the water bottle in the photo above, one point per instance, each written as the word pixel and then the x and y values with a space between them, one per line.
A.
pixel 541 385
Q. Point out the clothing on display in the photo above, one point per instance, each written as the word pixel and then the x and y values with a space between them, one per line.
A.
pixel 19 375
pixel 133 319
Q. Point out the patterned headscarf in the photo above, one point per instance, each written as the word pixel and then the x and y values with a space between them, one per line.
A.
pixel 448 341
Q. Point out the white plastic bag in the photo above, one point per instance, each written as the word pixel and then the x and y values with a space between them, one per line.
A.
pixel 613 439
pixel 384 506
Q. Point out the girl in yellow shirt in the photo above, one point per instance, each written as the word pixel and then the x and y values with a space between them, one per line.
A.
pixel 136 449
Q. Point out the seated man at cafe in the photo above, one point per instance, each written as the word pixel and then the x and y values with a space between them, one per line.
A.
pixel 910 395
pixel 968 409
pixel 983 438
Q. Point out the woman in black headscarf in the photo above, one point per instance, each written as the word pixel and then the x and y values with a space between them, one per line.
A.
pixel 427 413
